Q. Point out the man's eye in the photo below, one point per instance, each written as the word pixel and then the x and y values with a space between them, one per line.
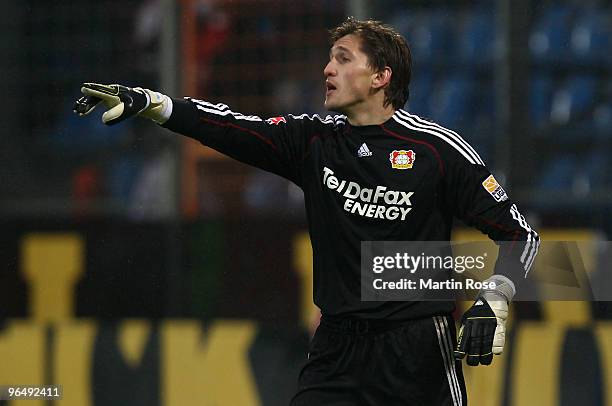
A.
pixel 344 59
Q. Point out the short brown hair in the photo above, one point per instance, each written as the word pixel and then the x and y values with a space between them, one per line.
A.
pixel 384 47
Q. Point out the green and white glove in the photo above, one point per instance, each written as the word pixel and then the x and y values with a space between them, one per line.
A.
pixel 123 102
pixel 483 326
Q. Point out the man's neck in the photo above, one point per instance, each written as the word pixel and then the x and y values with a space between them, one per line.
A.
pixel 370 115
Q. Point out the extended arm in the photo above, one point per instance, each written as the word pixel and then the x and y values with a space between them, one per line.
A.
pixel 276 144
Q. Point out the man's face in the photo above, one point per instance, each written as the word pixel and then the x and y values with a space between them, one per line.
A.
pixel 348 76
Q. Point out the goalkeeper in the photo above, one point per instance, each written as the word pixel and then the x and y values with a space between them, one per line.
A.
pixel 367 353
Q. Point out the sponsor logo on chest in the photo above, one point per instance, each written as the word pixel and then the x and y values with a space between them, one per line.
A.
pixel 378 202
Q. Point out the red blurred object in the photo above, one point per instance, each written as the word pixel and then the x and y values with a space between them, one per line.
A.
pixel 85 187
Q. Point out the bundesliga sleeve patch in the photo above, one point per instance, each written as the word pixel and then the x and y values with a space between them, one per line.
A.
pixel 495 189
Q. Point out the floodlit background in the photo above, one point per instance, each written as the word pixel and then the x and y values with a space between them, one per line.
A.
pixel 139 268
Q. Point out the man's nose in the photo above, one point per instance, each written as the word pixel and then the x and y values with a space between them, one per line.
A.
pixel 329 69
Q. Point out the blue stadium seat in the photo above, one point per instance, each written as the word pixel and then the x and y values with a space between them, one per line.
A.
pixel 573 100
pixel 432 37
pixel 452 102
pixel 596 169
pixel 575 175
pixel 540 98
pixel 75 136
pixel 420 91
pixel 485 104
pixel 603 119
pixel 476 45
pixel 121 176
pixel 404 22
pixel 550 39
pixel 558 174
pixel 591 41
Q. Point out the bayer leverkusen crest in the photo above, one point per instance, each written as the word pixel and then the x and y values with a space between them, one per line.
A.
pixel 402 159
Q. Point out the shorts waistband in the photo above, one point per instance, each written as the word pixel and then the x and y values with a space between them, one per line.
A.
pixel 361 326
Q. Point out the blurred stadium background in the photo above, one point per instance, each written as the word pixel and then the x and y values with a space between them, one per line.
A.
pixel 138 268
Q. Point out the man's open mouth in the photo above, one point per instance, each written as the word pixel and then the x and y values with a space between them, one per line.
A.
pixel 330 87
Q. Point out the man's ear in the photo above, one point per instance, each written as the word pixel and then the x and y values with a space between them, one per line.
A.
pixel 382 78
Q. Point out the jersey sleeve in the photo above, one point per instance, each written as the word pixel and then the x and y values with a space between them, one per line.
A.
pixel 277 144
pixel 475 197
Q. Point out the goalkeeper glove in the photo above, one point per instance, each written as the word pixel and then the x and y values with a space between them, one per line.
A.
pixel 483 326
pixel 123 102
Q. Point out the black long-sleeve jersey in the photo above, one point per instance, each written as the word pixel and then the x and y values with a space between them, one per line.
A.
pixel 403 180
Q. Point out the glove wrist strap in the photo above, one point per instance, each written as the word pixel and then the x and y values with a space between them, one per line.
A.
pixel 504 289
pixel 159 108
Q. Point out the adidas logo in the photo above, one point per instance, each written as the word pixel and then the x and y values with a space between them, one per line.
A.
pixel 479 303
pixel 363 151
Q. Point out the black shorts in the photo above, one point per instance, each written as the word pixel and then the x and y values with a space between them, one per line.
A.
pixel 382 363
